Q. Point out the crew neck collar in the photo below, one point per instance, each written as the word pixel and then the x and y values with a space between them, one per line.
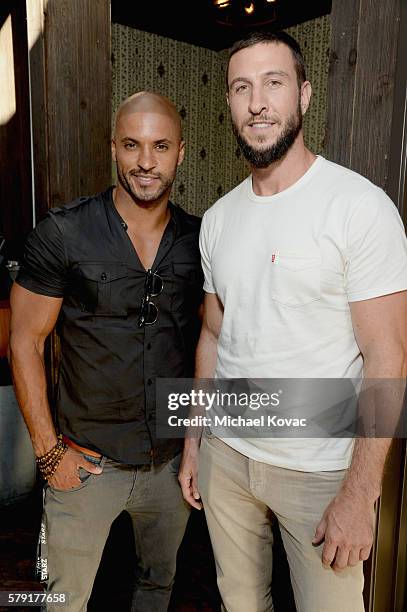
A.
pixel 266 199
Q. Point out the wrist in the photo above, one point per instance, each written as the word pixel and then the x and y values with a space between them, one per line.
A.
pixel 44 445
pixel 369 493
pixel 49 462
pixel 192 444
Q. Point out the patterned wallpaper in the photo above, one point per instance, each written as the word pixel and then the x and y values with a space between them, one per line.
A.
pixel 193 78
pixel 314 39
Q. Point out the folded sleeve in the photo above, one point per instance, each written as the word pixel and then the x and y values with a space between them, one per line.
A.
pixel 376 256
pixel 44 264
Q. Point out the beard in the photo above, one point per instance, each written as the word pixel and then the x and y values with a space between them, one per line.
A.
pixel 145 194
pixel 262 158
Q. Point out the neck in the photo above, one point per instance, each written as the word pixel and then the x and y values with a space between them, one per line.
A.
pixel 146 215
pixel 285 172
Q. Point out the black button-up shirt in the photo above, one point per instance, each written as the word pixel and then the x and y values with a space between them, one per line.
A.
pixel 106 392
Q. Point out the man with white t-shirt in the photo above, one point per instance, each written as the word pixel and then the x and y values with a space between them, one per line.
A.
pixel 305 268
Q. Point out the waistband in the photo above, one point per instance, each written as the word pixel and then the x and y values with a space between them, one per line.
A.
pixel 80 449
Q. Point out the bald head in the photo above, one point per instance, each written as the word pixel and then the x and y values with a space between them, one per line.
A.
pixel 148 102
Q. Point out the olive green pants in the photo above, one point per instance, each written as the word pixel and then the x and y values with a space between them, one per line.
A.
pixel 76 524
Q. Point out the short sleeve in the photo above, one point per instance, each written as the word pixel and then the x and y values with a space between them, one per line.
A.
pixel 43 268
pixel 377 249
pixel 204 246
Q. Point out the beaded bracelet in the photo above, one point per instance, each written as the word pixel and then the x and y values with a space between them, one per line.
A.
pixel 48 463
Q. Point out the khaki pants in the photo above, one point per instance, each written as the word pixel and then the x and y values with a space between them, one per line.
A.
pixel 238 494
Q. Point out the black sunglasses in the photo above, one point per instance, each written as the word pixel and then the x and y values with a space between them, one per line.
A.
pixel 148 310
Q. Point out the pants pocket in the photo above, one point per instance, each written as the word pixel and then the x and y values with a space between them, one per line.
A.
pixel 84 476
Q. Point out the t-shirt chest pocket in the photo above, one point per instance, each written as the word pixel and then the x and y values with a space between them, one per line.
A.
pixel 101 287
pixel 295 278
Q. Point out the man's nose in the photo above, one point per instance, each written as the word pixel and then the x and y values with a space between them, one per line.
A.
pixel 146 160
pixel 258 101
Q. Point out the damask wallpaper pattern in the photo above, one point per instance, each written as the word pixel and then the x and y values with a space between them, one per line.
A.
pixel 193 78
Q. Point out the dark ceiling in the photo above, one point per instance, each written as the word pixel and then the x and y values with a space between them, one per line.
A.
pixel 198 21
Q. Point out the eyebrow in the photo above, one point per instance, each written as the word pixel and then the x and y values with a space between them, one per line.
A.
pixel 266 74
pixel 160 141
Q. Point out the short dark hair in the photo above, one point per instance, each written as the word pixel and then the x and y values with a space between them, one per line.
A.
pixel 257 37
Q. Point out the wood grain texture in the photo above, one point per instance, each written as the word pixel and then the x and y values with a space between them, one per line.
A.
pixel 374 93
pixel 36 44
pixel 397 178
pixel 78 97
pixel 361 85
pixel 341 81
pixel 15 147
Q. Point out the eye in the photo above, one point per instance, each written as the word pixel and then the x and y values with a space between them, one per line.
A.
pixel 241 88
pixel 274 83
pixel 130 145
pixel 162 147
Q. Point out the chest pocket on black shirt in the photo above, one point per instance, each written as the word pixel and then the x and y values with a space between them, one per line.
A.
pixel 187 286
pixel 101 287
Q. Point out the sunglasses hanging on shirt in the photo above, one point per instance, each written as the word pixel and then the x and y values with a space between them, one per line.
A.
pixel 152 288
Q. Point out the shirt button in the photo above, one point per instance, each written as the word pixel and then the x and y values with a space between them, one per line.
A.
pixel 103 276
pixel 149 382
pixel 149 346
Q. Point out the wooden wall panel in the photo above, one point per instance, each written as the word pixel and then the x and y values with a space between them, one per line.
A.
pixel 39 122
pixel 374 94
pixel 15 142
pixel 361 85
pixel 397 181
pixel 77 98
pixel 341 81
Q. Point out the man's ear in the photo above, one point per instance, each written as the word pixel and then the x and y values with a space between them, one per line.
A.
pixel 181 153
pixel 113 144
pixel 305 96
pixel 227 98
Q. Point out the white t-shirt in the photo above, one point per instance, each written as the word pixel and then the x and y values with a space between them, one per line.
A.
pixel 285 267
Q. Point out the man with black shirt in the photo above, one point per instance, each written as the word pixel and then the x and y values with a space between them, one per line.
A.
pixel 119 273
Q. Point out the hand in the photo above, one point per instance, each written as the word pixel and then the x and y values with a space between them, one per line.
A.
pixel 188 473
pixel 66 475
pixel 347 526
